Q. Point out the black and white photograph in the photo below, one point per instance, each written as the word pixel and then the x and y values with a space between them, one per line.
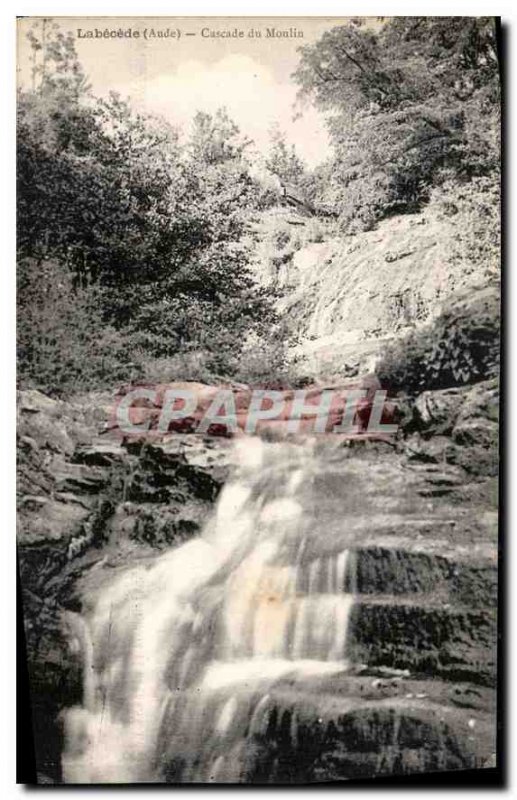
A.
pixel 258 293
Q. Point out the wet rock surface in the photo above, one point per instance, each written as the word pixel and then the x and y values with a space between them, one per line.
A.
pixel 399 732
pixel 87 499
pixel 421 525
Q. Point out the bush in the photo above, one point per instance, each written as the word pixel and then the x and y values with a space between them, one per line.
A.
pixel 263 364
pixel 460 346
pixel 191 366
pixel 281 243
pixel 477 206
pixel 64 345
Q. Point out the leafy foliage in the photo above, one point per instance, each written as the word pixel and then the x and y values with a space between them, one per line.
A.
pixel 150 234
pixel 460 346
pixel 407 104
pixel 284 161
pixel 216 139
pixel 476 205
pixel 63 341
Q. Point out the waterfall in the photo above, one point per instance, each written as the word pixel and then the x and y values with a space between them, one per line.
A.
pixel 180 654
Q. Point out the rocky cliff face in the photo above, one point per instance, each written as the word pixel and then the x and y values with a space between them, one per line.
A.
pixel 350 294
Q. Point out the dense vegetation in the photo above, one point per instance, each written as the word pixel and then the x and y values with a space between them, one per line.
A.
pixel 460 346
pixel 134 247
pixel 409 106
pixel 131 246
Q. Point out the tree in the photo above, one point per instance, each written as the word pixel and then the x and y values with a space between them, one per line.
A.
pixel 407 103
pixel 54 62
pixel 153 231
pixel 216 139
pixel 283 160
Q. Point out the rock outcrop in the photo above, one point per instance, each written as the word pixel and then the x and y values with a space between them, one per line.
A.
pixel 457 426
pixel 85 499
pixel 422 529
pixel 349 295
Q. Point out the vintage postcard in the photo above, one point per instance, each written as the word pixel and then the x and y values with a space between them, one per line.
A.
pixel 258 395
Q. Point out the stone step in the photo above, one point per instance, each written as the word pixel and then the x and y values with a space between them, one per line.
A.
pixel 338 728
pixel 468 536
pixel 378 569
pixel 306 740
pixel 400 571
pixel 425 637
pixel 325 682
pixel 418 632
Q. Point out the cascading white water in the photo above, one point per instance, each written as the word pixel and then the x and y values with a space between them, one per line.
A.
pixel 180 654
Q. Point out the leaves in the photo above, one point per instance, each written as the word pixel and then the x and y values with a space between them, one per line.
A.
pixel 153 231
pixel 283 161
pixel 405 104
pixel 460 346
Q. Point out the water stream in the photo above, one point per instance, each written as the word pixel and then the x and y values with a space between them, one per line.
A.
pixel 180 655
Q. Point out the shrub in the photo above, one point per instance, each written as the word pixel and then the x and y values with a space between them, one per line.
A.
pixel 64 345
pixel 190 366
pixel 263 363
pixel 477 240
pixel 281 243
pixel 460 346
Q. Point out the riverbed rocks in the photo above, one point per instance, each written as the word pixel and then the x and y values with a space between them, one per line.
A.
pixel 85 498
pixel 420 523
pixel 367 731
pixel 457 426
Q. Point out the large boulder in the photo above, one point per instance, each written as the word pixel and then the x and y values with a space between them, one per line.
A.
pixel 457 426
